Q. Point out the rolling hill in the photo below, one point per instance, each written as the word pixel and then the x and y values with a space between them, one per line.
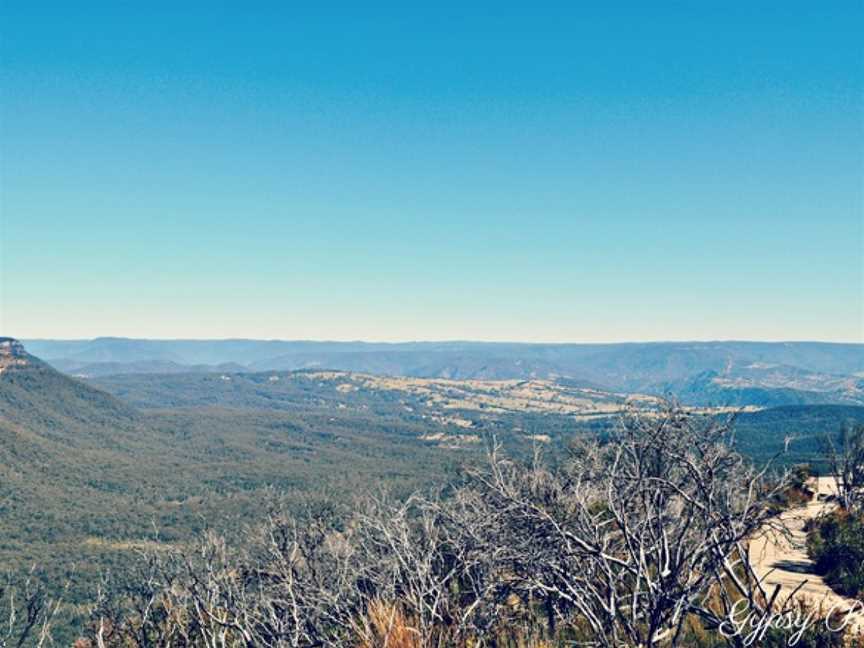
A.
pixel 702 373
pixel 85 477
pixel 89 468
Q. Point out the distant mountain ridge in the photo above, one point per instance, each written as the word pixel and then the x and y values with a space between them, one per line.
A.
pixel 772 373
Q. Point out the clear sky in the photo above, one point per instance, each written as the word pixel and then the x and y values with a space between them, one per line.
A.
pixel 393 171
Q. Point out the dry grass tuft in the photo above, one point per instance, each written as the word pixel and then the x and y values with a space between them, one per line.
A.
pixel 389 627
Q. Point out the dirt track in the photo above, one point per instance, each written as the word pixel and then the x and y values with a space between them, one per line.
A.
pixel 784 561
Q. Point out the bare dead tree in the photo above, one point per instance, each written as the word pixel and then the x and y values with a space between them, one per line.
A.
pixel 638 535
pixel 295 582
pixel 846 461
pixel 29 611
pixel 620 546
pixel 435 567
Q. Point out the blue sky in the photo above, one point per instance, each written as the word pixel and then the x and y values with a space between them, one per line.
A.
pixel 538 172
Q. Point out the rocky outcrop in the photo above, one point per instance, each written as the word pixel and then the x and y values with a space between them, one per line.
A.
pixel 12 354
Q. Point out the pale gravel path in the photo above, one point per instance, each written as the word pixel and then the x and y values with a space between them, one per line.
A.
pixel 784 561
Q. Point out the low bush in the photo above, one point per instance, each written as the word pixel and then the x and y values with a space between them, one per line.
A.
pixel 836 544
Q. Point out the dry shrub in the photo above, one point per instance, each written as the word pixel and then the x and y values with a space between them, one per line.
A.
pixel 389 627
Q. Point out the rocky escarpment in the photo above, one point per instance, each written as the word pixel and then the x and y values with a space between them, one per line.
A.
pixel 12 354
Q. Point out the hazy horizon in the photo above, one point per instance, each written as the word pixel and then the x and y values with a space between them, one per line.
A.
pixel 410 339
pixel 429 341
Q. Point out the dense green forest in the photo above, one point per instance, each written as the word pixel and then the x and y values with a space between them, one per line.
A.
pixel 85 478
pixel 762 434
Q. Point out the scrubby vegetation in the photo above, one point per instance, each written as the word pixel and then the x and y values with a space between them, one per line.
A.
pixel 606 536
pixel 836 544
pixel 637 541
pixel 797 492
pixel 836 541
